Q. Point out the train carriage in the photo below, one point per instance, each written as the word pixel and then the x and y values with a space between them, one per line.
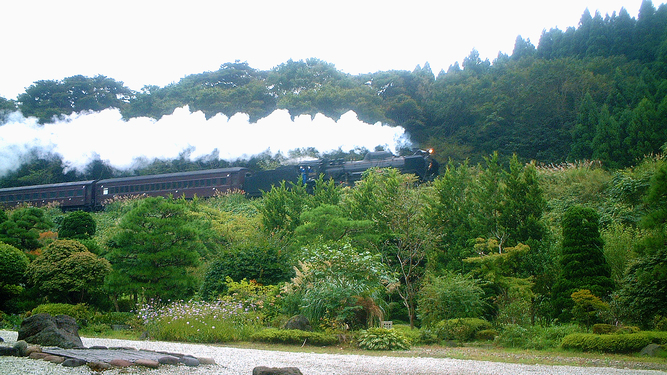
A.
pixel 206 183
pixel 69 195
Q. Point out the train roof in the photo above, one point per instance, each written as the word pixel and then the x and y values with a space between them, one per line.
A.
pixel 46 186
pixel 177 174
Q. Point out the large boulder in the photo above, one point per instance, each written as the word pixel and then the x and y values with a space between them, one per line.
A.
pixel 46 330
pixel 299 322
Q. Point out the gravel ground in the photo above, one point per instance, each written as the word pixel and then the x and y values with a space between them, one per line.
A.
pixel 234 361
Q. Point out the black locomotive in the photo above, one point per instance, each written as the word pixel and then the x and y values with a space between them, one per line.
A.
pixel 90 195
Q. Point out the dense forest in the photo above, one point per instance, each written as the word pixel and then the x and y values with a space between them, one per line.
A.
pixel 550 211
pixel 596 91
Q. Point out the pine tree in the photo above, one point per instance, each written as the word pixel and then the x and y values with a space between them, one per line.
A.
pixel 583 265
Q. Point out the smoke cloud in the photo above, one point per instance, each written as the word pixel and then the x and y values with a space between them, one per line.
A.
pixel 83 137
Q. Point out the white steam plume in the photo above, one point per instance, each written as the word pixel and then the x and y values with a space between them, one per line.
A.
pixel 80 138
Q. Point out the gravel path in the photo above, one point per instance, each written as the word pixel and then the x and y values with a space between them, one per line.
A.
pixel 234 361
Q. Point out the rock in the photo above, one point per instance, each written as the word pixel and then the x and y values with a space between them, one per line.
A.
pixel 43 329
pixel 22 348
pixel 120 363
pixel 73 362
pixel 262 370
pixel 99 366
pixel 54 359
pixel 37 355
pixel 2 340
pixel 206 361
pixel 147 363
pixel 651 350
pixel 299 322
pixel 168 360
pixel 6 351
pixel 33 349
pixel 190 361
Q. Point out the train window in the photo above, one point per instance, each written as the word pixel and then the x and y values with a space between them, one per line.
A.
pixel 35 195
pixel 70 193
pixel 52 194
pixel 11 197
pixel 79 193
pixel 223 181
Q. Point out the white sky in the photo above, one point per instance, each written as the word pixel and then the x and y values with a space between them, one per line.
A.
pixel 142 42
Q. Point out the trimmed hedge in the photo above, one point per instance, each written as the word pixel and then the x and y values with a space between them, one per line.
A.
pixel 294 336
pixel 620 343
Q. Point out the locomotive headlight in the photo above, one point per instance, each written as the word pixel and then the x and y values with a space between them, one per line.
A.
pixel 431 151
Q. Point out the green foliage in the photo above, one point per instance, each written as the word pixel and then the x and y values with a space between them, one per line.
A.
pixel 156 241
pixel 66 270
pixel 79 312
pixel 644 291
pixel 448 297
pixel 282 207
pixel 534 337
pixel 337 282
pixel 78 225
pixel 460 329
pixel 201 322
pixel 49 98
pixel 622 343
pixel 587 308
pixel 262 261
pixel 22 228
pixel 582 261
pixel 382 339
pixel 13 264
pixel 294 337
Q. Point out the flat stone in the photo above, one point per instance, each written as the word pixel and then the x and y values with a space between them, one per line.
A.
pixel 99 366
pixel 38 355
pixel 651 350
pixel 120 363
pixel 98 347
pixel 206 361
pixel 190 361
pixel 73 362
pixel 147 363
pixel 33 349
pixel 54 359
pixel 168 360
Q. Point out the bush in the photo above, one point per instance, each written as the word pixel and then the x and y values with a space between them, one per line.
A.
pixel 79 311
pixel 534 337
pixel 294 336
pixel 622 343
pixel 486 335
pixel 382 339
pixel 463 329
pixel 607 329
pixel 448 297
pixel 112 318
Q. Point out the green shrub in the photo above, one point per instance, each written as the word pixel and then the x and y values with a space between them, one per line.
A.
pixel 427 336
pixel 382 339
pixel 463 329
pixel 534 337
pixel 413 335
pixel 294 336
pixel 603 329
pixel 79 311
pixel 486 335
pixel 111 318
pixel 621 343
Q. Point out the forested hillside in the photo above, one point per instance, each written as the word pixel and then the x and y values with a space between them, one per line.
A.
pixel 596 91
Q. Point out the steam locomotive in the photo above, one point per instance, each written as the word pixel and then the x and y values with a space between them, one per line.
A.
pixel 94 194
